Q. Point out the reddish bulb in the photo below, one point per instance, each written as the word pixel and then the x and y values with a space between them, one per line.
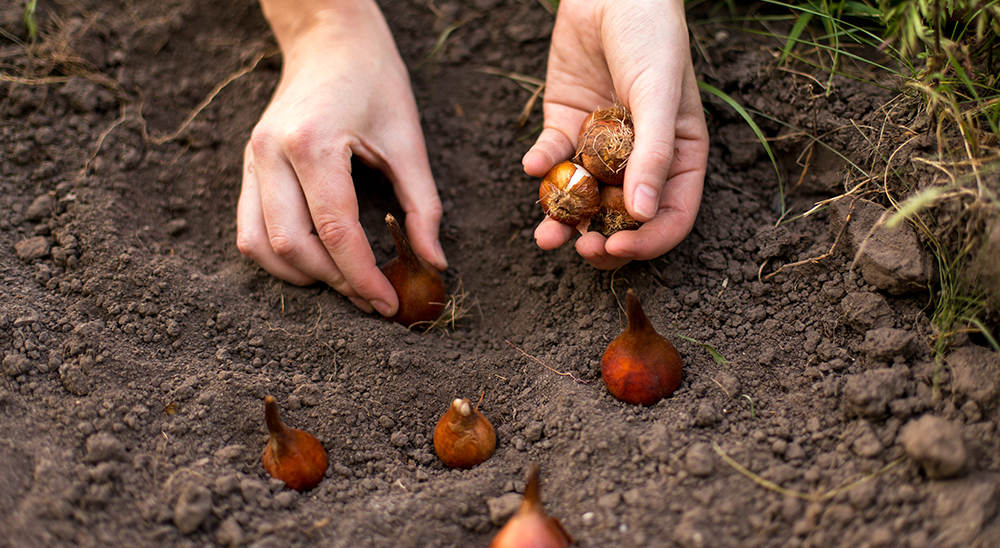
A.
pixel 293 456
pixel 417 283
pixel 464 437
pixel 606 139
pixel 613 216
pixel 569 194
pixel 640 366
pixel 531 527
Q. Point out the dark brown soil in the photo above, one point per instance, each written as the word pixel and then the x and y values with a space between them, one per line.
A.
pixel 138 344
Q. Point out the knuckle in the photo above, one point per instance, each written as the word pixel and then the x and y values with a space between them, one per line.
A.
pixel 333 233
pixel 284 245
pixel 248 244
pixel 660 155
pixel 262 138
pixel 300 142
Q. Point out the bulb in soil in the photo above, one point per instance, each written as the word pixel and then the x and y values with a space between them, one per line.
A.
pixel 531 527
pixel 606 139
pixel 418 284
pixel 291 455
pixel 640 366
pixel 613 216
pixel 464 436
pixel 569 194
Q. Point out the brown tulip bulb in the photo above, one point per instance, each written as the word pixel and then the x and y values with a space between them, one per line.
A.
pixel 291 455
pixel 418 284
pixel 569 194
pixel 606 139
pixel 531 527
pixel 640 366
pixel 464 437
pixel 613 216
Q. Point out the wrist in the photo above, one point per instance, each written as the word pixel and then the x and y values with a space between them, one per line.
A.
pixel 295 21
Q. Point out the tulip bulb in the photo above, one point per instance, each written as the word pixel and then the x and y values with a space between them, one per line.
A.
pixel 640 366
pixel 464 436
pixel 606 138
pixel 613 216
pixel 569 194
pixel 418 284
pixel 291 455
pixel 531 527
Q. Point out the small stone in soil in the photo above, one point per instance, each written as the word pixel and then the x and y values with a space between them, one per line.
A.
pixel 937 445
pixel 193 506
pixel 32 248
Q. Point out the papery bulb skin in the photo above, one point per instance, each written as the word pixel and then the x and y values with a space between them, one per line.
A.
pixel 291 455
pixel 613 216
pixel 464 436
pixel 606 139
pixel 418 284
pixel 531 527
pixel 640 366
pixel 569 194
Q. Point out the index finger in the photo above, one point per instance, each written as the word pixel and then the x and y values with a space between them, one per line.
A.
pixel 329 190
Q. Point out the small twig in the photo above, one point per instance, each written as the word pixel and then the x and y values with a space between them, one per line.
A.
pixel 828 254
pixel 516 76
pixel 615 293
pixel 540 362
pixel 760 270
pixel 529 106
pixel 805 168
pixel 161 139
pixel 751 404
pixel 813 497
pixel 100 139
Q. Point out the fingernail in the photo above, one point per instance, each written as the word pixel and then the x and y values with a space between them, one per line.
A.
pixel 440 253
pixel 644 202
pixel 382 307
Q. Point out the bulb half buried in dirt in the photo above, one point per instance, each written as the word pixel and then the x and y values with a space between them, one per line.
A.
pixel 613 216
pixel 640 366
pixel 464 437
pixel 531 527
pixel 606 138
pixel 291 455
pixel 569 194
pixel 418 285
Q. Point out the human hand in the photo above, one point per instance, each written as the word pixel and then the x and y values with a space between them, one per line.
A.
pixel 344 91
pixel 637 51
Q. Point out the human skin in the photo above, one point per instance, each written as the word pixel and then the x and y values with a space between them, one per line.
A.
pixel 636 51
pixel 344 91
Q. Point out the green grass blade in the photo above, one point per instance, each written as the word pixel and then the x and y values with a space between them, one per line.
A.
pixel 756 129
pixel 718 357
pixel 986 332
pixel 874 38
pixel 29 19
pixel 793 37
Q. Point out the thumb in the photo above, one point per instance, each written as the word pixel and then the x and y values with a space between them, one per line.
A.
pixel 552 147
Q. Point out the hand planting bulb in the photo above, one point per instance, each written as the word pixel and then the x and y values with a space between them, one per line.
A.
pixel 640 366
pixel 291 455
pixel 531 527
pixel 418 285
